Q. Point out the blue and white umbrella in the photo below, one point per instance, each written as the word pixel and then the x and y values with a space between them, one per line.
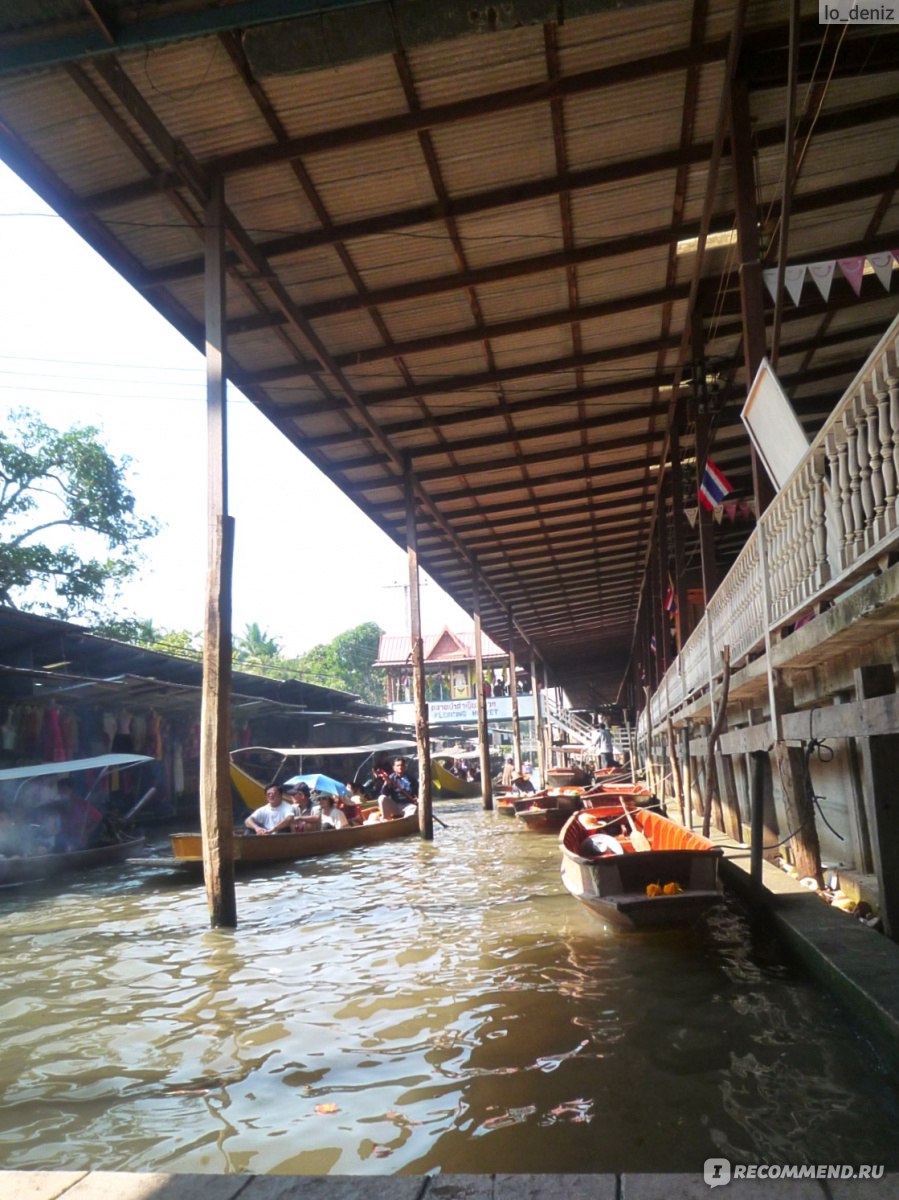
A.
pixel 318 783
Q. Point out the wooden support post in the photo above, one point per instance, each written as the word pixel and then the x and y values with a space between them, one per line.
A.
pixel 650 765
pixel 483 731
pixel 422 733
pixel 216 822
pixel 757 818
pixel 683 627
pixel 538 723
pixel 513 696
pixel 676 781
pixel 688 773
pixel 547 727
pixel 752 291
pixel 631 749
pixel 880 770
pixel 790 771
pixel 727 782
pixel 714 735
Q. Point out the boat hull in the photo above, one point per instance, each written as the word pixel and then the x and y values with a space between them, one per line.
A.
pixel 24 869
pixel 446 786
pixel 187 848
pixel 614 886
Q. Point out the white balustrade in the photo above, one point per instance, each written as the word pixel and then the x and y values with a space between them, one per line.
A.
pixel 836 515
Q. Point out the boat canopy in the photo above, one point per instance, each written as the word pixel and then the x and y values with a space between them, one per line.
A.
pixel 323 751
pixel 98 763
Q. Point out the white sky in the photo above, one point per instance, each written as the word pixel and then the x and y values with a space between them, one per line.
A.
pixel 79 345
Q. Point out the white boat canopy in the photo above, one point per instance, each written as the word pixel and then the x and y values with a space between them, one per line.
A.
pixel 324 751
pixel 97 763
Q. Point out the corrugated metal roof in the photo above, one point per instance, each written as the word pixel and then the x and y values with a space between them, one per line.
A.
pixel 477 236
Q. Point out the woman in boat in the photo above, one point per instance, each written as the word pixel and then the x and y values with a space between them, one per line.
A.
pixel 333 817
pixel 277 816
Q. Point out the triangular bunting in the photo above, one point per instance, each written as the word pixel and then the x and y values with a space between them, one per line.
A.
pixel 822 273
pixel 853 269
pixel 691 514
pixel 882 266
pixel 730 510
pixel 794 278
pixel 718 513
pixel 770 278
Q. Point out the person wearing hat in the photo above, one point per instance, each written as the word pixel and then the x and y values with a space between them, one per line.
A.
pixel 333 817
pixel 301 798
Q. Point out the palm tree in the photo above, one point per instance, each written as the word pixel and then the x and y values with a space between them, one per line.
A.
pixel 256 647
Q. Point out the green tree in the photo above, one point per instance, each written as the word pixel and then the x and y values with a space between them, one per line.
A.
pixel 346 663
pixel 54 484
pixel 256 648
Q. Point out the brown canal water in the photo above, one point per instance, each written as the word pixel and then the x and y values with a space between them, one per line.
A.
pixel 409 1007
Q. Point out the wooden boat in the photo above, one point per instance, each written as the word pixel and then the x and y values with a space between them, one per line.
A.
pixel 187 848
pixel 615 792
pixel 670 883
pixel 447 786
pixel 31 867
pixel 25 868
pixel 547 812
pixel 567 777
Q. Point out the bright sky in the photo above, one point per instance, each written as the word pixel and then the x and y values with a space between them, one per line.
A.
pixel 79 345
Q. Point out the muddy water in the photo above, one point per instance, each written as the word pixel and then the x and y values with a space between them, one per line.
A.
pixel 408 1007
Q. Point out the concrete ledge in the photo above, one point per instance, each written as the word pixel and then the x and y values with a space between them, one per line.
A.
pixel 858 965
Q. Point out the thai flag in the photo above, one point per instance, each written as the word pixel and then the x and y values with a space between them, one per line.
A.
pixel 671 599
pixel 715 486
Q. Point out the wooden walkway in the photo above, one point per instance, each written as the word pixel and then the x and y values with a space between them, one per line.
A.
pixel 111 1185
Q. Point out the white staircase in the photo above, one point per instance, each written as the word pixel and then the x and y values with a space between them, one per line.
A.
pixel 578 731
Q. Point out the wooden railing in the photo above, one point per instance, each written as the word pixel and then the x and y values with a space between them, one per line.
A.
pixel 836 516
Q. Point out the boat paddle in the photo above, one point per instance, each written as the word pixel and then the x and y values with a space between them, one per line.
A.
pixel 639 840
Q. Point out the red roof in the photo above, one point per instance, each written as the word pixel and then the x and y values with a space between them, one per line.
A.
pixel 395 649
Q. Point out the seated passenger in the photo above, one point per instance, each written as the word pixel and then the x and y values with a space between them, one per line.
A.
pixel 277 816
pixel 522 786
pixel 81 821
pixel 333 817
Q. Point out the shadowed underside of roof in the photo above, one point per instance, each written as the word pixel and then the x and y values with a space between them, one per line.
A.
pixel 453 250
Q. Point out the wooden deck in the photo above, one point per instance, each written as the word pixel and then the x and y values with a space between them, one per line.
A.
pixel 111 1185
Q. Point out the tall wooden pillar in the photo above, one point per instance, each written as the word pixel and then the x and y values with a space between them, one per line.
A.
pixel 422 733
pixel 682 626
pixel 701 421
pixel 538 722
pixel 880 769
pixel 664 579
pixel 752 291
pixel 483 731
pixel 513 696
pixel 216 820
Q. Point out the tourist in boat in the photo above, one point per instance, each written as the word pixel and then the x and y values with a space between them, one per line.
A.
pixel 301 798
pixel 521 785
pixel 333 817
pixel 276 816
pixel 398 792
pixel 81 820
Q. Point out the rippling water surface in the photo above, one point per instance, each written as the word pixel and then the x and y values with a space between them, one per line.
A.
pixel 407 1007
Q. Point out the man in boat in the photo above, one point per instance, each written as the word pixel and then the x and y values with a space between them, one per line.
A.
pixel 81 820
pixel 276 816
pixel 399 793
pixel 508 773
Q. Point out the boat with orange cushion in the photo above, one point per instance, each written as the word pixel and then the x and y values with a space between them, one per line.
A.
pixel 548 810
pixel 637 868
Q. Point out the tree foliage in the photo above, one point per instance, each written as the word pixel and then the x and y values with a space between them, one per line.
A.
pixel 54 485
pixel 346 663
pixel 255 648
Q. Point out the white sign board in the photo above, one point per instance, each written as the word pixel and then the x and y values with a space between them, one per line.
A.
pixel 776 433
